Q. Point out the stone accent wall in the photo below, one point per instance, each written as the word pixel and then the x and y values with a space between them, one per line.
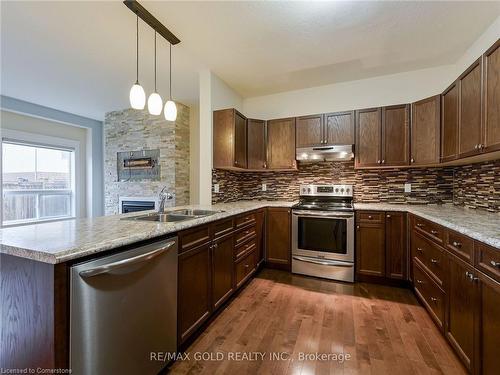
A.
pixel 474 186
pixel 133 130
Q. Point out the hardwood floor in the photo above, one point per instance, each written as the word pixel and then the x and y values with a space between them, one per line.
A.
pixel 383 329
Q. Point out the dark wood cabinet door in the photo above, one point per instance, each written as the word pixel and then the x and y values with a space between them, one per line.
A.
pixel 281 144
pixel 459 326
pixel 396 250
pixel 222 270
pixel 368 137
pixel 309 131
pixel 339 128
pixel 370 249
pixel 488 326
pixel 240 140
pixel 278 236
pixel 256 146
pixel 470 125
pixel 395 135
pixel 449 123
pixel 194 290
pixel 425 131
pixel 223 128
pixel 260 230
pixel 491 60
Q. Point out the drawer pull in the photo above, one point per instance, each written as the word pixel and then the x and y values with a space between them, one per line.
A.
pixel 388 216
pixel 457 244
pixel 434 231
pixel 434 261
pixel 419 281
pixel 495 264
pixel 470 275
pixel 246 265
pixel 420 249
pixel 370 217
pixel 420 225
pixel 434 299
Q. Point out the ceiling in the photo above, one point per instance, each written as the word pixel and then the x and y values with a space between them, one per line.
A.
pixel 80 56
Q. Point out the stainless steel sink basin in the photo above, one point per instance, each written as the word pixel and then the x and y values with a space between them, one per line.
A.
pixel 163 218
pixel 194 212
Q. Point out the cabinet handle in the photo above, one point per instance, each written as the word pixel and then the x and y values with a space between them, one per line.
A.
pixel 434 299
pixel 246 265
pixel 215 246
pixel 476 147
pixel 420 249
pixel 357 226
pixel 412 160
pixel 420 225
pixel 495 264
pixel 457 244
pixel 388 216
pixel 383 161
pixel 370 217
pixel 434 261
pixel 378 161
pixel 265 165
pixel 236 162
pixel 419 281
pixel 469 275
pixel 482 146
pixel 434 231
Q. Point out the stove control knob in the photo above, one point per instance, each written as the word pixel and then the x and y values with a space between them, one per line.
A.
pixel 336 190
pixel 347 190
pixel 308 190
pixel 342 190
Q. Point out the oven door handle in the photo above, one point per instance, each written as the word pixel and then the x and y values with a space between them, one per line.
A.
pixel 325 215
pixel 323 262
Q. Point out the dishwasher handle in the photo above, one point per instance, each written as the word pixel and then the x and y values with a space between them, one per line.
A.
pixel 107 268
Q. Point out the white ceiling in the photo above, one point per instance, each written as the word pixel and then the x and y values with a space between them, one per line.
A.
pixel 80 56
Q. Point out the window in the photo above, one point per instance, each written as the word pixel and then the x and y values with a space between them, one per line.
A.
pixel 38 182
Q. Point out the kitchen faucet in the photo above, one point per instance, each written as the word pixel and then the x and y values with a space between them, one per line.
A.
pixel 162 197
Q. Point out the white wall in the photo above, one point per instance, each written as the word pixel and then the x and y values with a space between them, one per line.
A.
pixel 33 125
pixel 372 92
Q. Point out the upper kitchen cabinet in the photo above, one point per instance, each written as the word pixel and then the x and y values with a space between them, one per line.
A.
pixel 449 123
pixel 281 144
pixel 229 139
pixel 470 108
pixel 339 128
pixel 395 135
pixel 368 137
pixel 310 131
pixel 425 131
pixel 256 145
pixel 491 97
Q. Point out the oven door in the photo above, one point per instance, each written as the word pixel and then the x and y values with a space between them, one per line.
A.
pixel 323 234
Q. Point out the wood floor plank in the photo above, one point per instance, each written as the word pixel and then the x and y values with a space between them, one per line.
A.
pixel 383 329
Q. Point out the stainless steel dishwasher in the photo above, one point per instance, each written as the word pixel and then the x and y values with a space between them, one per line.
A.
pixel 122 308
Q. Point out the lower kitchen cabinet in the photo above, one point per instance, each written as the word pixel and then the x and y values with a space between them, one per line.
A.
pixel 370 249
pixel 194 290
pixel 260 218
pixel 396 249
pixel 278 237
pixel 222 270
pixel 459 327
pixel 487 341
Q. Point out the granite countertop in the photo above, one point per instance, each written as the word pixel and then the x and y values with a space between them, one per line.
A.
pixel 61 241
pixel 479 225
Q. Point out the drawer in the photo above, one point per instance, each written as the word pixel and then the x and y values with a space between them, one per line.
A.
pixel 223 227
pixel 370 216
pixel 244 220
pixel 245 234
pixel 245 248
pixel 244 268
pixel 191 238
pixel 488 260
pixel 460 245
pixel 431 295
pixel 430 255
pixel 431 230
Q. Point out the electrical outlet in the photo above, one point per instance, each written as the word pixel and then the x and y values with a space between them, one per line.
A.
pixel 407 188
pixel 264 187
pixel 216 188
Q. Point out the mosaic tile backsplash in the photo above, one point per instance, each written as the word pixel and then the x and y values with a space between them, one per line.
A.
pixel 473 186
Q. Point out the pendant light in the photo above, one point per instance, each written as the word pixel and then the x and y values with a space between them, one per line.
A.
pixel 137 95
pixel 155 104
pixel 170 111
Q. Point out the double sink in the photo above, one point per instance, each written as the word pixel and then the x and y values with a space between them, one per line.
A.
pixel 174 216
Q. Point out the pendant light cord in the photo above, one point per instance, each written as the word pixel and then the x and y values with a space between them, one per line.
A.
pixel 155 60
pixel 137 49
pixel 170 80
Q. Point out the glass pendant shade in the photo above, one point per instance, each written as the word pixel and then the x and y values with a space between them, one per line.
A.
pixel 137 96
pixel 155 104
pixel 170 111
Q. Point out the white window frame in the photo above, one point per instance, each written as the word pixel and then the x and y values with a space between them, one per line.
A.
pixel 33 139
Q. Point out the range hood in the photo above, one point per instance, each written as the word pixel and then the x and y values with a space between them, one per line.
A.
pixel 325 153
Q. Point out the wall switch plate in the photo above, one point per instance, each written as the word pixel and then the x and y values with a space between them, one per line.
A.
pixel 216 188
pixel 264 187
pixel 407 188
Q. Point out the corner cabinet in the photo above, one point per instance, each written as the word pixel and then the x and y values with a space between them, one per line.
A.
pixel 229 139
pixel 281 144
pixel 449 123
pixel 425 131
pixel 491 97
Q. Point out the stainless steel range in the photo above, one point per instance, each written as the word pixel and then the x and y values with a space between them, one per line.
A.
pixel 323 232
